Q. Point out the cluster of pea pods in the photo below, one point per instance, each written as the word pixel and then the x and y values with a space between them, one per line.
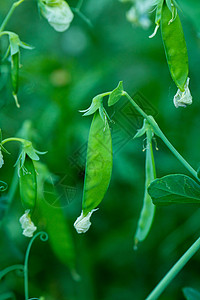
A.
pixel 99 154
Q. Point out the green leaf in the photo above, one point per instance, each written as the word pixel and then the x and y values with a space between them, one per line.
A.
pixel 191 294
pixel 176 188
pixel 116 94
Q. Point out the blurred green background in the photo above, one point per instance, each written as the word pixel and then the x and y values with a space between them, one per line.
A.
pixel 57 79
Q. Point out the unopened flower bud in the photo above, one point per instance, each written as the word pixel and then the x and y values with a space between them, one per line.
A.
pixel 183 98
pixel 82 224
pixel 57 13
pixel 27 225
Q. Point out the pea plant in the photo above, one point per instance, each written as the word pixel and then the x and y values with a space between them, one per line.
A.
pixel 31 173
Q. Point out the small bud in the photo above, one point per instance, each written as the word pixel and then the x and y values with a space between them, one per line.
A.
pixel 82 224
pixel 1 159
pixel 27 225
pixel 183 98
pixel 57 13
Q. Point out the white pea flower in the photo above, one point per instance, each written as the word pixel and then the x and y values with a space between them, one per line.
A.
pixel 138 18
pixel 1 159
pixel 138 14
pixel 57 13
pixel 183 98
pixel 82 224
pixel 27 225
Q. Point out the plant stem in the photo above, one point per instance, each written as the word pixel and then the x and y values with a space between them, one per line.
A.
pixel 82 16
pixel 14 139
pixel 159 132
pixel 10 269
pixel 44 237
pixel 5 21
pixel 174 271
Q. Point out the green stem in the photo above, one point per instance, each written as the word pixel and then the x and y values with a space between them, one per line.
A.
pixel 106 94
pixel 10 269
pixel 174 271
pixel 13 139
pixel 5 21
pixel 82 16
pixel 5 33
pixel 43 236
pixel 158 131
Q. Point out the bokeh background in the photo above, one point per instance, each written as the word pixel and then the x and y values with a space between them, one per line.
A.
pixel 57 79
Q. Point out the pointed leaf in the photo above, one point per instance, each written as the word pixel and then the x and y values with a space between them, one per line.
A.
pixel 176 188
pixel 116 94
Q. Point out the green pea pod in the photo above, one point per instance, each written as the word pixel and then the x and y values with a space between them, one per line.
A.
pixel 15 75
pixel 98 170
pixel 175 47
pixel 148 209
pixel 98 165
pixel 28 184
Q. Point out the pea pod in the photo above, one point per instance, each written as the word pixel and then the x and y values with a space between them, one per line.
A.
pixel 28 184
pixel 15 75
pixel 175 47
pixel 148 209
pixel 98 170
